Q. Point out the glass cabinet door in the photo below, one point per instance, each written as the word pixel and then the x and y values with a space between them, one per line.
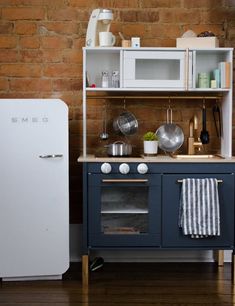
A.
pixel 124 210
pixel 124 214
pixel 154 69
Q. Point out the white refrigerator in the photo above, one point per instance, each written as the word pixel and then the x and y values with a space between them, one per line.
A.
pixel 34 198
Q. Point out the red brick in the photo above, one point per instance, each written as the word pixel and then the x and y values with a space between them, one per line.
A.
pixel 67 84
pixel 63 14
pixel 20 70
pixel 29 42
pixel 31 56
pixel 8 42
pixel 161 3
pixel 40 56
pixel 8 56
pixel 31 84
pixel 202 4
pixel 49 3
pixel 26 28
pixel 136 29
pixel 6 27
pixel 56 42
pixel 23 13
pixel 62 70
pixel 72 56
pixel 4 85
pixel 59 28
pixel 147 16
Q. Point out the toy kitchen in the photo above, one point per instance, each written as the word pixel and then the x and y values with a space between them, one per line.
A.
pixel 134 200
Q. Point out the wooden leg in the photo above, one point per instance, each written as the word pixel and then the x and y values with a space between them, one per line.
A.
pixel 85 272
pixel 219 257
pixel 233 267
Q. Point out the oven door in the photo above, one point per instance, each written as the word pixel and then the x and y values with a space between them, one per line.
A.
pixel 124 211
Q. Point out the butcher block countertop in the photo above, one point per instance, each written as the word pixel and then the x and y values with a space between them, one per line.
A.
pixel 155 159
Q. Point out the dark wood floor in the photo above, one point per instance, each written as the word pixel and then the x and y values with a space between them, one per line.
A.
pixel 129 284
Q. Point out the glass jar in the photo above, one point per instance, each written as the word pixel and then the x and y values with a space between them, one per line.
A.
pixel 115 79
pixel 105 79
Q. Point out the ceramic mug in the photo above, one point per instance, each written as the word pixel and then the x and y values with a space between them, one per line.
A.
pixel 106 39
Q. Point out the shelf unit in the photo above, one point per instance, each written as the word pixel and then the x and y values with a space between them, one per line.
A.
pixel 96 60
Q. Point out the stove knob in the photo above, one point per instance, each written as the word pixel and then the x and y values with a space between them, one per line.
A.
pixel 142 168
pixel 124 168
pixel 106 168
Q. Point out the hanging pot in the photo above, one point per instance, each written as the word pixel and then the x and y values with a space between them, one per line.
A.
pixel 170 135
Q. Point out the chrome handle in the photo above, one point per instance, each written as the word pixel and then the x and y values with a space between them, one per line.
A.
pixel 51 156
pixel 125 180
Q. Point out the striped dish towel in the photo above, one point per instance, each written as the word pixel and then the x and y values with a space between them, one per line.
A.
pixel 199 214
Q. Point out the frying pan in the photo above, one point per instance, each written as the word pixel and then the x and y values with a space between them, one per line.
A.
pixel 170 135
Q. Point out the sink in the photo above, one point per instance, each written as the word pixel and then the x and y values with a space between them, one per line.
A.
pixel 196 156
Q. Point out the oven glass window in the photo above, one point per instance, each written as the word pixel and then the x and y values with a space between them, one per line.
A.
pixel 124 210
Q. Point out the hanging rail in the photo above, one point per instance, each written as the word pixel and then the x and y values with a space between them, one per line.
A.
pixel 154 97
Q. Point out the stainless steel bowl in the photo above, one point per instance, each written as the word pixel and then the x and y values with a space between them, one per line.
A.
pixel 170 137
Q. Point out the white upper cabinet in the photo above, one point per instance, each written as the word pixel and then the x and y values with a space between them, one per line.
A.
pixel 159 69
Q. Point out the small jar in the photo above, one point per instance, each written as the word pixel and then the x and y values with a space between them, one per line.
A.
pixel 203 80
pixel 105 79
pixel 115 79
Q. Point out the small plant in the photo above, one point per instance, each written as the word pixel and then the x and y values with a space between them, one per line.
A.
pixel 150 136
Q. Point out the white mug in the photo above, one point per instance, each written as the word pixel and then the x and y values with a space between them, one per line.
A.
pixel 106 39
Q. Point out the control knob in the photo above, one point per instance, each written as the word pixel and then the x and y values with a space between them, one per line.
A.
pixel 124 168
pixel 106 168
pixel 142 168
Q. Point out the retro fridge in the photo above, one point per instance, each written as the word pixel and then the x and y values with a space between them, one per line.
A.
pixel 34 200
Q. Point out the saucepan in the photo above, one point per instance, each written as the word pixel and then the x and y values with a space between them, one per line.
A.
pixel 119 148
pixel 170 135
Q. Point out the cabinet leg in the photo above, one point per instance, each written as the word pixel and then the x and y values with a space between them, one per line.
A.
pixel 219 257
pixel 233 268
pixel 85 272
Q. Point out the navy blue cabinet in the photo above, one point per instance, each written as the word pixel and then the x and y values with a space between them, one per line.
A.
pixel 172 235
pixel 124 212
pixel 142 210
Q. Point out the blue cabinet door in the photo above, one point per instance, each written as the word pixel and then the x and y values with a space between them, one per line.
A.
pixel 124 213
pixel 172 235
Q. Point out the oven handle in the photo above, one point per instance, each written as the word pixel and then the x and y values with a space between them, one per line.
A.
pixel 125 180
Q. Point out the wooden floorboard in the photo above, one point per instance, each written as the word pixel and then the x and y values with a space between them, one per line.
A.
pixel 129 284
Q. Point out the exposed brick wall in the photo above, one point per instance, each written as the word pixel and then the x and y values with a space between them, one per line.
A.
pixel 41 56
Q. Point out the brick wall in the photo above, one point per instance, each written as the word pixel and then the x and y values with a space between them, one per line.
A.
pixel 41 56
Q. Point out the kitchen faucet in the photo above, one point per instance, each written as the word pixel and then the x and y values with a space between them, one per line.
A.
pixel 192 144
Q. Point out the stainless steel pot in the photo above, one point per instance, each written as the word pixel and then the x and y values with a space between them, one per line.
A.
pixel 170 135
pixel 119 148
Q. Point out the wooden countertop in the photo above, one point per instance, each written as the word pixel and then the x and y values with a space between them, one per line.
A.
pixel 153 159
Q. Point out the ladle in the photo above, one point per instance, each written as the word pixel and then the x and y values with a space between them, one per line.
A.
pixel 204 133
pixel 104 135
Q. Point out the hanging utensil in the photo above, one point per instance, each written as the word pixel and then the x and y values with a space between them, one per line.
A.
pixel 217 119
pixel 104 135
pixel 204 136
pixel 170 135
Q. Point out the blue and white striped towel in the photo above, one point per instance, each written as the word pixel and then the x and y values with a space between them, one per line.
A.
pixel 199 208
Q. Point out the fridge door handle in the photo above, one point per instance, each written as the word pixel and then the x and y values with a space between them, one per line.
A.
pixel 51 156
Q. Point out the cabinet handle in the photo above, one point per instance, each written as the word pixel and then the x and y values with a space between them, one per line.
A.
pixel 51 156
pixel 181 181
pixel 125 180
pixel 186 68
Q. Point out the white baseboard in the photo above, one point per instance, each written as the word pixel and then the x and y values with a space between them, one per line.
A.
pixel 140 255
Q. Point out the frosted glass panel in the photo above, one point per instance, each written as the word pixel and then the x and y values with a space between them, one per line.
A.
pixel 157 69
